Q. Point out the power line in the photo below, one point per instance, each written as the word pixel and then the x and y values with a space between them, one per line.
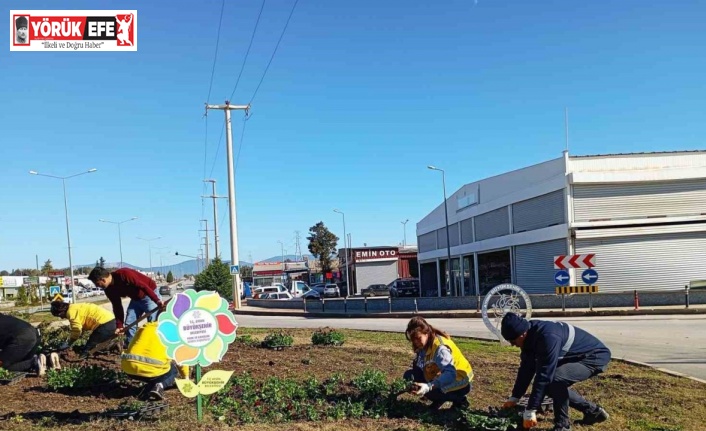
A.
pixel 240 145
pixel 274 52
pixel 210 87
pixel 245 60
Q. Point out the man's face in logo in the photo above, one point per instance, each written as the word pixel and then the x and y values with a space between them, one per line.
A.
pixel 22 32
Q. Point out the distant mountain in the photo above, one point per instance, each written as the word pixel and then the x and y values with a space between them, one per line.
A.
pixel 178 269
pixel 291 257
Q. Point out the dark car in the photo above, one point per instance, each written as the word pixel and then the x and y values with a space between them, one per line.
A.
pixel 165 291
pixel 376 290
pixel 404 287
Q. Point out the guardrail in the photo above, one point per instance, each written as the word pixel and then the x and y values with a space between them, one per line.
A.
pixel 626 299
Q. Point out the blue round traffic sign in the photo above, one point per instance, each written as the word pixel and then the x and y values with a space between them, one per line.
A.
pixel 590 276
pixel 561 278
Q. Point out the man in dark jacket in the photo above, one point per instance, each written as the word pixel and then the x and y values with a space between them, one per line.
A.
pixel 126 282
pixel 556 355
pixel 18 342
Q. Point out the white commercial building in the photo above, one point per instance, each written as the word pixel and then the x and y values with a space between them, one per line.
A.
pixel 642 214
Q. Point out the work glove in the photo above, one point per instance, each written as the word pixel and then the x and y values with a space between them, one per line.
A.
pixel 510 403
pixel 423 388
pixel 529 419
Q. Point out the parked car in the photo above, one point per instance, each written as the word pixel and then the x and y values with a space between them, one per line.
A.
pixel 165 290
pixel 332 290
pixel 268 289
pixel 376 290
pixel 404 287
pixel 312 295
pixel 280 295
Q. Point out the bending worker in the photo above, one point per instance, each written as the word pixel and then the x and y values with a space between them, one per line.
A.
pixel 146 360
pixel 440 372
pixel 86 317
pixel 18 343
pixel 557 355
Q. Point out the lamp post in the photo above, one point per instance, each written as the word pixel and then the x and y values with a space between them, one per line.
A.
pixel 404 228
pixel 345 247
pixel 448 242
pixel 120 238
pixel 161 267
pixel 193 257
pixel 149 242
pixel 66 213
pixel 283 267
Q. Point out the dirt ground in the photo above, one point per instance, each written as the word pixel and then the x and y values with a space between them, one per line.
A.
pixel 639 399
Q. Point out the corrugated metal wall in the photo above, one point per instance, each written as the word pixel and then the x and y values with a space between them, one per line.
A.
pixel 427 242
pixel 647 262
pixel 375 273
pixel 536 213
pixel 453 234
pixel 467 231
pixel 492 224
pixel 534 265
pixel 639 200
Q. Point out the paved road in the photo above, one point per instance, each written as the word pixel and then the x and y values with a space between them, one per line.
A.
pixel 676 343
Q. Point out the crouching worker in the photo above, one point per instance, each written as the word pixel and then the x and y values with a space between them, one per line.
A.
pixel 18 343
pixel 556 355
pixel 440 372
pixel 146 360
pixel 86 317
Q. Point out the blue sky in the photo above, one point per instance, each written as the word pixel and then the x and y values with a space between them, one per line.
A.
pixel 360 98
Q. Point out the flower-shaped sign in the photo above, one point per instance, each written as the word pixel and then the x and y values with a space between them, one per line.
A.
pixel 197 328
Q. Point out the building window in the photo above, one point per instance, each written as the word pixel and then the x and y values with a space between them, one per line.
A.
pixel 428 279
pixel 446 288
pixel 493 268
pixel 466 201
pixel 469 276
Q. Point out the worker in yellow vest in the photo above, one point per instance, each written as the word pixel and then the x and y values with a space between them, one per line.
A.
pixel 86 317
pixel 146 360
pixel 440 372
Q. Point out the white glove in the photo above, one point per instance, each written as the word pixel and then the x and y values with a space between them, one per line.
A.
pixel 424 388
pixel 529 419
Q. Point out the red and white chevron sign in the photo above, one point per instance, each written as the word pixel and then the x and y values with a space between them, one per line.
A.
pixel 575 261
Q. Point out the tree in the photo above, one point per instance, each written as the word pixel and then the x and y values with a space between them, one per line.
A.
pixel 101 262
pixel 17 272
pixel 217 278
pixel 170 277
pixel 246 272
pixel 47 267
pixel 322 244
pixel 3 273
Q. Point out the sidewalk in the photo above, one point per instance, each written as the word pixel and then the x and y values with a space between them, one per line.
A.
pixel 465 314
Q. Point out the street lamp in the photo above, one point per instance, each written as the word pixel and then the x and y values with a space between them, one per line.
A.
pixel 120 239
pixel 404 227
pixel 345 247
pixel 448 242
pixel 149 242
pixel 66 213
pixel 161 269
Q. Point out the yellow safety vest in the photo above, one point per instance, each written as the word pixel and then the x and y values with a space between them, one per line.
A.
pixel 464 372
pixel 146 356
pixel 86 317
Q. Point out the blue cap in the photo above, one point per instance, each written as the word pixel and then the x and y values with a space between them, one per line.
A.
pixel 513 326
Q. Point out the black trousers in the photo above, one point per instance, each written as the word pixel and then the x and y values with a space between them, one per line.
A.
pixel 17 355
pixel 416 375
pixel 102 333
pixel 566 375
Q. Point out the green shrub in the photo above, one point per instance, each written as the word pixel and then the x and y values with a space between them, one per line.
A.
pixel 327 337
pixel 247 340
pixel 5 375
pixel 81 377
pixel 278 339
pixel 494 421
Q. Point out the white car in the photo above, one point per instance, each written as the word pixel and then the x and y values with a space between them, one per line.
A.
pixel 278 288
pixel 331 290
pixel 280 295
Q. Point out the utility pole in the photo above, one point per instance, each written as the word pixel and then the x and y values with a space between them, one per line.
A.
pixel 214 196
pixel 206 230
pixel 227 107
pixel 404 226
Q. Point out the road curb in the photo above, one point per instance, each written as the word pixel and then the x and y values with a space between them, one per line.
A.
pixel 660 369
pixel 472 314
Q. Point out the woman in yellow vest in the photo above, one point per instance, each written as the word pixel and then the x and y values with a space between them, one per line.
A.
pixel 440 372
pixel 146 360
pixel 86 317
